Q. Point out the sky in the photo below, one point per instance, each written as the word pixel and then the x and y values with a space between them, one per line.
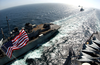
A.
pixel 85 3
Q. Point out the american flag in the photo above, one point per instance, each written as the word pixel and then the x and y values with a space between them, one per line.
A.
pixel 18 42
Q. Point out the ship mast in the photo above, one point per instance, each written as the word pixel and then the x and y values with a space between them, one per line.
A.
pixel 8 24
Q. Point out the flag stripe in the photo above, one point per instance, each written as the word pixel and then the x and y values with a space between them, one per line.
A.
pixel 21 40
pixel 23 43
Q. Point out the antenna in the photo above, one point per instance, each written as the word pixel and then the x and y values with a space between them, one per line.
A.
pixel 8 24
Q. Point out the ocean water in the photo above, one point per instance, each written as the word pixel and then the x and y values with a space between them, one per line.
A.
pixel 76 28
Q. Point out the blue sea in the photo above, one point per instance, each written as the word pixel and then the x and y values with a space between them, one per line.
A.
pixel 76 28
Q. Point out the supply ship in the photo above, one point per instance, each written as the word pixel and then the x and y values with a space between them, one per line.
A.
pixel 36 34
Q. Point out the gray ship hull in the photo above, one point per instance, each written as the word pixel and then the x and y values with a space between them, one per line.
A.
pixel 30 45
